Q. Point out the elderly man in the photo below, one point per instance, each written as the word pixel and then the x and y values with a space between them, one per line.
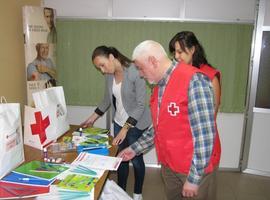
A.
pixel 184 132
pixel 42 68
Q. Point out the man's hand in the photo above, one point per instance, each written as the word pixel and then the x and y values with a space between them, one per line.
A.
pixel 45 69
pixel 120 137
pixel 34 76
pixel 126 154
pixel 190 190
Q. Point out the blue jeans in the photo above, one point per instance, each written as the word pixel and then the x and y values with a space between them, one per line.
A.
pixel 138 163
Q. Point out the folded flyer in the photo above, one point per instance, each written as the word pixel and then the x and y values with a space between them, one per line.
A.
pixel 78 183
pixel 97 161
pixel 41 169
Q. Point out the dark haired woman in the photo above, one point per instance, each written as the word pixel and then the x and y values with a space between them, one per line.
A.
pixel 186 47
pixel 126 92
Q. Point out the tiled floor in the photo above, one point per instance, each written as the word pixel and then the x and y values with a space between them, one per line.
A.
pixel 231 186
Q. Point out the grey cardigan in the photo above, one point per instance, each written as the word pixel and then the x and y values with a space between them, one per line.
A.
pixel 133 92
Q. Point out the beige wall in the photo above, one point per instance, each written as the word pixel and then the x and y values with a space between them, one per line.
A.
pixel 12 65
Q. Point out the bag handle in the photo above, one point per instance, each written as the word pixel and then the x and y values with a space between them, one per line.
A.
pixel 3 99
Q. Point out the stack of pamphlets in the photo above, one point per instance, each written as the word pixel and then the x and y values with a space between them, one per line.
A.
pixel 12 190
pixel 79 180
pixel 93 140
pixel 94 161
pixel 30 179
pixel 80 169
pixel 40 169
pixel 76 182
pixel 57 193
pixel 14 177
pixel 95 130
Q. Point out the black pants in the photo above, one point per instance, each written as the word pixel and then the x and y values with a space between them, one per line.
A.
pixel 138 163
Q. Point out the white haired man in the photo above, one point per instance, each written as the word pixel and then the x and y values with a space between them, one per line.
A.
pixel 184 132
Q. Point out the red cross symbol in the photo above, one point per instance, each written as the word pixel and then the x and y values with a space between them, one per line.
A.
pixel 173 109
pixel 40 127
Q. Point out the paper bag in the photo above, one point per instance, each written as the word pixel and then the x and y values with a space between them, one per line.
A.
pixel 48 120
pixel 112 191
pixel 11 143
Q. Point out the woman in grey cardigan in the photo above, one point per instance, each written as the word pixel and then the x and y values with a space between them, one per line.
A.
pixel 126 92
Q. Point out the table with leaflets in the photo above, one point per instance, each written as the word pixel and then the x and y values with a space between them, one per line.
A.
pixel 35 154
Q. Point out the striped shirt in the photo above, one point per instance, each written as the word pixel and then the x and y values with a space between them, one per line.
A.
pixel 201 118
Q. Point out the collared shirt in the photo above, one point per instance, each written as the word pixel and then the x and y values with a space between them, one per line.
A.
pixel 32 67
pixel 201 118
pixel 163 83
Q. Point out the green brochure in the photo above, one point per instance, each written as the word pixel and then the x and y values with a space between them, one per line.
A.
pixel 95 139
pixel 41 169
pixel 78 183
pixel 95 130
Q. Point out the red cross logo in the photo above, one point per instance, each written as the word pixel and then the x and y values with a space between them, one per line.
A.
pixel 40 127
pixel 173 109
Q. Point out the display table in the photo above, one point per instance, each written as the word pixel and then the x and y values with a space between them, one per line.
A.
pixel 35 154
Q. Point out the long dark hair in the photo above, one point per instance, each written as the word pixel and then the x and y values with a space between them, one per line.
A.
pixel 106 51
pixel 187 39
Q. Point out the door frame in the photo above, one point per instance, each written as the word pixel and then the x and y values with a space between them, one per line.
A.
pixel 252 87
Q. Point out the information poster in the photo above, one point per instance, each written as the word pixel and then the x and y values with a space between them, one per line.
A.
pixel 40 49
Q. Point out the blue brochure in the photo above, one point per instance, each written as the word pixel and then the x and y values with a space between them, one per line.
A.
pixel 101 150
pixel 14 177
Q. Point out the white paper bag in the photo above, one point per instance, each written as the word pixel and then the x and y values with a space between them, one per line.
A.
pixel 54 96
pixel 39 129
pixel 48 120
pixel 11 143
pixel 112 191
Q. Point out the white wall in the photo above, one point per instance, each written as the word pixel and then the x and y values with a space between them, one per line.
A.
pixel 259 159
pixel 230 127
pixel 78 114
pixel 205 10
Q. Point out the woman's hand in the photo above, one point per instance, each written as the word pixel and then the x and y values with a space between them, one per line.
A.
pixel 120 137
pixel 90 121
pixel 87 123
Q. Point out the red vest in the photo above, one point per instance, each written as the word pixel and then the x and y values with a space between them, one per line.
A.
pixel 173 137
pixel 210 72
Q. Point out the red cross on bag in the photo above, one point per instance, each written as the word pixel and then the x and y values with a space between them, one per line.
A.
pixel 39 128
